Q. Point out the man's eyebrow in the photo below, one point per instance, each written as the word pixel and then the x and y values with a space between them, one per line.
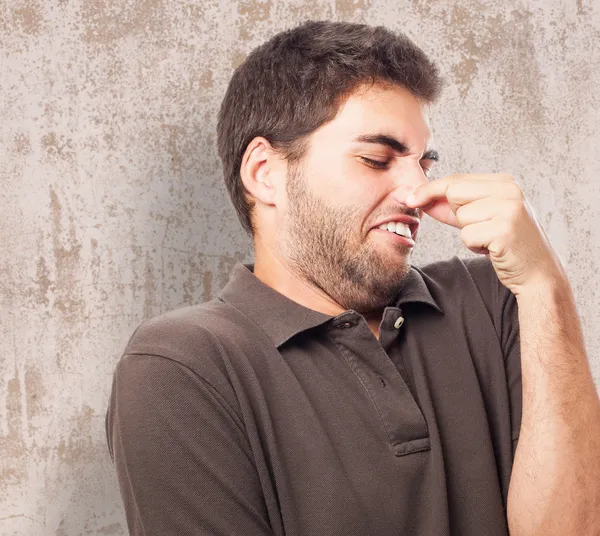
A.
pixel 395 144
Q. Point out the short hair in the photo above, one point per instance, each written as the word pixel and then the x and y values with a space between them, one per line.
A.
pixel 296 81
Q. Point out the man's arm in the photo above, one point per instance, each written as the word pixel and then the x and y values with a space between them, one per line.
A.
pixel 183 461
pixel 555 481
pixel 554 486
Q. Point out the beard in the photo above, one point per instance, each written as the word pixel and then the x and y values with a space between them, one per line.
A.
pixel 322 247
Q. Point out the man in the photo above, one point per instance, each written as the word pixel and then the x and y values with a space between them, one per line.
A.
pixel 332 388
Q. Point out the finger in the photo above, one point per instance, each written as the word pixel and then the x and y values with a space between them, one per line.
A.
pixel 484 209
pixel 500 177
pixel 425 194
pixel 462 189
pixel 484 235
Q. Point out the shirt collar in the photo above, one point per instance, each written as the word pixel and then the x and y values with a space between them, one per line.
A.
pixel 281 318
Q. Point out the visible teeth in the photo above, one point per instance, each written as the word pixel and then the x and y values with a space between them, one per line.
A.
pixel 396 227
pixel 403 229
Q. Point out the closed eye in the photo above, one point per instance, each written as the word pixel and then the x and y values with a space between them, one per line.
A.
pixel 377 164
pixel 383 164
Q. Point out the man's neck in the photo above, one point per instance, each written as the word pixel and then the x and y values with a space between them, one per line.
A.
pixel 275 274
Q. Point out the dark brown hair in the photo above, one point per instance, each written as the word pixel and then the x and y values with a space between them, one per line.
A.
pixel 292 84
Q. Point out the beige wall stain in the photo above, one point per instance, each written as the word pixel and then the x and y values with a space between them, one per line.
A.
pixel 13 466
pixel 105 22
pixel 206 80
pixel 237 58
pixel 347 9
pixel 581 9
pixel 12 441
pixel 174 136
pixel 43 282
pixel 28 18
pixel 149 287
pixel 503 39
pixel 58 146
pixel 207 286
pixel 192 281
pixel 21 144
pixel 464 33
pixel 80 445
pixel 34 392
pixel 252 12
pixel 255 10
pixel 302 11
pixel 67 261
pixel 524 78
pixel 38 292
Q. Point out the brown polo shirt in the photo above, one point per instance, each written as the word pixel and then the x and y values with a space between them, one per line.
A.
pixel 253 415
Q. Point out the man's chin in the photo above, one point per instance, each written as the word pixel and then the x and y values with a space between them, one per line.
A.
pixel 396 259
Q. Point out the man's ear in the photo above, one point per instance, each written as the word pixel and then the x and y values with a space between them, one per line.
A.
pixel 258 170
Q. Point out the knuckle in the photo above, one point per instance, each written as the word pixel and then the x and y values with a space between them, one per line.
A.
pixel 461 214
pixel 465 235
pixel 516 191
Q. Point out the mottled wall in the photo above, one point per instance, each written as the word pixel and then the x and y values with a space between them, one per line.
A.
pixel 113 207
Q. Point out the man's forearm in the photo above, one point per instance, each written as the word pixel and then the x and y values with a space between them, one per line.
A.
pixel 555 483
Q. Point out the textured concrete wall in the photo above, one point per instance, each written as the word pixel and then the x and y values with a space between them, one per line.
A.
pixel 113 207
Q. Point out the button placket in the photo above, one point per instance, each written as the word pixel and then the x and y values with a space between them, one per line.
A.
pixel 393 401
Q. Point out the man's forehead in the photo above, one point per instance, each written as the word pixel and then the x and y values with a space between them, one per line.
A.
pixel 394 113
pixel 399 116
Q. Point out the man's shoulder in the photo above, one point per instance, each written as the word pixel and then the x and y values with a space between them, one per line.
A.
pixel 464 280
pixel 172 356
pixel 451 273
pixel 179 330
pixel 191 336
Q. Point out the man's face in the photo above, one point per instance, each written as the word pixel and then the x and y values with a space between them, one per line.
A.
pixel 327 232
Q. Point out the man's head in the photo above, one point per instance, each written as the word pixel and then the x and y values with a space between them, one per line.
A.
pixel 300 180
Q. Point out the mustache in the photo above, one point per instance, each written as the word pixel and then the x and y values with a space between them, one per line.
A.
pixel 412 212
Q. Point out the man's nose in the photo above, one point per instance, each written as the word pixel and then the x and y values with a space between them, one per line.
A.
pixel 407 181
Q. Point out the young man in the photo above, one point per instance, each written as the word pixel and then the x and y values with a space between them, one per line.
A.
pixel 332 388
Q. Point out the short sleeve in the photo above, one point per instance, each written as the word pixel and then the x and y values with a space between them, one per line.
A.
pixel 511 348
pixel 183 461
pixel 502 306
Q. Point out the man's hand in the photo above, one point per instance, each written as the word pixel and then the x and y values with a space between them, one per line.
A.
pixel 495 219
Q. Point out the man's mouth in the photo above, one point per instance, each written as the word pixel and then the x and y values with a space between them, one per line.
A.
pixel 400 224
pixel 394 237
pixel 399 228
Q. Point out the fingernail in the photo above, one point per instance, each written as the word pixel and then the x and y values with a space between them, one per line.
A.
pixel 411 199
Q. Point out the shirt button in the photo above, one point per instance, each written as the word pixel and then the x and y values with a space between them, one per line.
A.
pixel 346 325
pixel 399 321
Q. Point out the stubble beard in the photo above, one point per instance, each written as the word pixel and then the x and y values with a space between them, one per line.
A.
pixel 321 246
